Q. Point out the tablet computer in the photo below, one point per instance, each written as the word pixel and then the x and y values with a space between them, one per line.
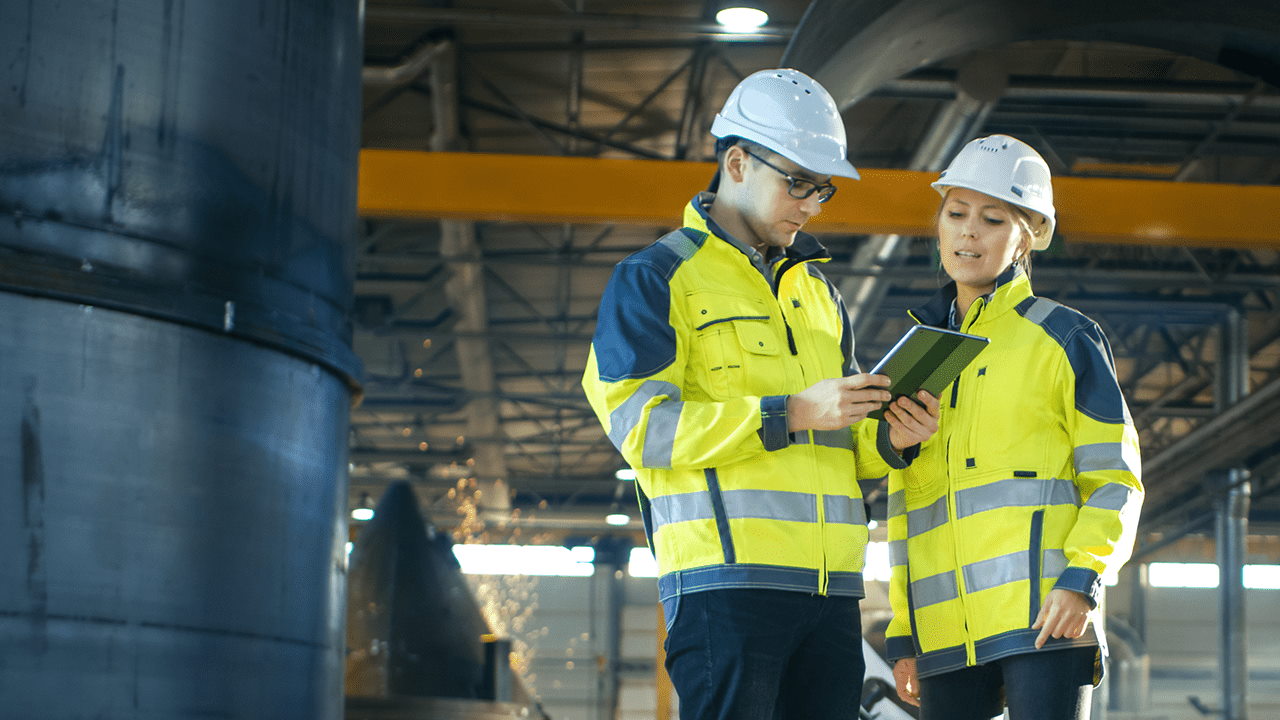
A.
pixel 926 358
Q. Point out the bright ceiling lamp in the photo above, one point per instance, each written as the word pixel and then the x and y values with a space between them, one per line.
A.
pixel 617 518
pixel 363 511
pixel 626 474
pixel 742 19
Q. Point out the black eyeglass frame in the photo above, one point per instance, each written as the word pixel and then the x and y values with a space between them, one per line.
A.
pixel 792 181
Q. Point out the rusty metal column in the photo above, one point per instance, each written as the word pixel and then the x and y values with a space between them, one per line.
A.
pixel 177 210
pixel 1232 526
pixel 466 292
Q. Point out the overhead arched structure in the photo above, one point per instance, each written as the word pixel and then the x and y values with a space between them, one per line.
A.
pixel 853 48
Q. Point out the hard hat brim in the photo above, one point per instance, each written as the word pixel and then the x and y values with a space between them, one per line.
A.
pixel 723 127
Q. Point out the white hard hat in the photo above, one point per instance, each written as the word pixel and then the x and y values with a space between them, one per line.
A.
pixel 1007 169
pixel 792 115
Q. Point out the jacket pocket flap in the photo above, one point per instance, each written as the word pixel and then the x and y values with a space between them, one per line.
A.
pixel 757 337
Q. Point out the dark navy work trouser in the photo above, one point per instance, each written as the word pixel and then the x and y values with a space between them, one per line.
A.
pixel 765 655
pixel 1039 685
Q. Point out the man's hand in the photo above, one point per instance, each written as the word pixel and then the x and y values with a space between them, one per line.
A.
pixel 836 403
pixel 909 423
pixel 1064 614
pixel 904 675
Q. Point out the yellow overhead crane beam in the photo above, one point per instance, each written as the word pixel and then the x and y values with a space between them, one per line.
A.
pixel 552 189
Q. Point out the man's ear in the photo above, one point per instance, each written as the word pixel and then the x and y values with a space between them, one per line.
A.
pixel 735 163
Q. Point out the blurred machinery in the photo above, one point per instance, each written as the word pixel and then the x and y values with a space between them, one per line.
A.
pixel 417 645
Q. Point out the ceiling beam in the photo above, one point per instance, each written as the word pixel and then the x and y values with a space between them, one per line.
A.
pixel 567 21
pixel 544 189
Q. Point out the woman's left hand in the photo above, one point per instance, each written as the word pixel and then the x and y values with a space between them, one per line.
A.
pixel 911 422
pixel 1064 614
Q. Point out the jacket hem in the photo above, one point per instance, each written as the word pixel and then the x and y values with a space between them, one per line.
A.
pixel 1016 642
pixel 768 577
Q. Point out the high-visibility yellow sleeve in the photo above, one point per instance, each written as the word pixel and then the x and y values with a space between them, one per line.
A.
pixel 1107 462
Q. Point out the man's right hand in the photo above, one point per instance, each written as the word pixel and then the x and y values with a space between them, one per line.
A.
pixel 904 675
pixel 836 403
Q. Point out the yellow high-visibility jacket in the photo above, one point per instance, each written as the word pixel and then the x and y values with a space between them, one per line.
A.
pixel 697 345
pixel 1032 482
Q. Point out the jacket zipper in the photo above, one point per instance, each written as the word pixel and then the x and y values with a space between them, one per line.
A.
pixel 777 284
pixel 824 574
pixel 973 388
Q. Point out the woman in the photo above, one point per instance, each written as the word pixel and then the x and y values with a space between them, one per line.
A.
pixel 1002 526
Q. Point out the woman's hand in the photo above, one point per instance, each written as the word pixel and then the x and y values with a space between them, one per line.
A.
pixel 904 674
pixel 911 422
pixel 1064 614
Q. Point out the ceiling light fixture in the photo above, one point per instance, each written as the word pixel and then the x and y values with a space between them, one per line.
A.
pixel 625 474
pixel 617 519
pixel 742 19
pixel 363 511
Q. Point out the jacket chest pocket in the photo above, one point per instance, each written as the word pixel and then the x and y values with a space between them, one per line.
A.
pixel 736 349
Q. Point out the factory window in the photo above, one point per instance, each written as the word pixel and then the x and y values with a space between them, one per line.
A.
pixel 525 560
pixel 1205 575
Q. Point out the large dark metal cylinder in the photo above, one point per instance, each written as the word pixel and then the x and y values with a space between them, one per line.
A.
pixel 177 199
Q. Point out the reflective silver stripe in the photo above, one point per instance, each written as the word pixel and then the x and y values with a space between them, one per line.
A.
pixel 934 589
pixel 982 575
pixel 680 244
pixel 842 439
pixel 667 509
pixel 738 504
pixel 1105 456
pixel 1040 310
pixel 897 503
pixel 1015 492
pixel 771 505
pixel 996 571
pixel 660 435
pixel 922 520
pixel 897 553
pixel 844 509
pixel 1053 563
pixel 627 415
pixel 1112 496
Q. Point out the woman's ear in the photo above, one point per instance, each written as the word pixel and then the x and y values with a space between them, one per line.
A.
pixel 1024 247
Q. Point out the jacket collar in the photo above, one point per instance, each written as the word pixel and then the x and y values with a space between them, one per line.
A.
pixel 1012 287
pixel 696 216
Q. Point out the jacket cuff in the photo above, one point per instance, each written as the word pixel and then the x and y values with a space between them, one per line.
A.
pixel 773 422
pixel 1081 580
pixel 891 456
pixel 896 648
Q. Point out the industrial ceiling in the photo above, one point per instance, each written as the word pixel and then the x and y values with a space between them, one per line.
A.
pixel 474 332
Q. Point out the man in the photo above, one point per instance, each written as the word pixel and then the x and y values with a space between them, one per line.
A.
pixel 722 368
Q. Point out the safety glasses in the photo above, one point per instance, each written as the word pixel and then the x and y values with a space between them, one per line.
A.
pixel 799 188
